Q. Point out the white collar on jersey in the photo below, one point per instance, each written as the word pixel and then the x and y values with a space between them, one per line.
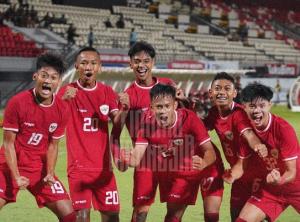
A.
pixel 86 89
pixel 147 87
pixel 41 104
pixel 268 126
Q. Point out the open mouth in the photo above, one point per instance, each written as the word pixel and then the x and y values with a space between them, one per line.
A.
pixel 257 119
pixel 142 71
pixel 221 98
pixel 89 74
pixel 46 90
pixel 163 120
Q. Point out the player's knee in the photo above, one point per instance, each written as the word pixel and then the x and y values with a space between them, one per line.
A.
pixel 139 217
pixel 172 218
pixel 141 209
pixel 110 216
pixel 69 218
pixel 83 215
pixel 211 217
pixel 2 203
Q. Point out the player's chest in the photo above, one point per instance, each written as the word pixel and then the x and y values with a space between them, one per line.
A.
pixel 225 129
pixel 40 120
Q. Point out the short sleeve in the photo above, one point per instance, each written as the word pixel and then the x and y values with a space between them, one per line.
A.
pixel 198 129
pixel 59 132
pixel 289 145
pixel 11 116
pixel 112 100
pixel 241 121
pixel 244 151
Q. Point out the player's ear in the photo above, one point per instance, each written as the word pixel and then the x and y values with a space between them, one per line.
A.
pixel 34 76
pixel 234 93
pixel 175 104
pixel 210 93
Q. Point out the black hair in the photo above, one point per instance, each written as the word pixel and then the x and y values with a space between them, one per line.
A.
pixel 162 90
pixel 51 60
pixel 86 49
pixel 255 91
pixel 223 75
pixel 141 46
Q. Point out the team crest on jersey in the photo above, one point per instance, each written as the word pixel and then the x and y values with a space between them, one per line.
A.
pixel 104 109
pixel 229 135
pixel 274 153
pixel 178 142
pixel 52 127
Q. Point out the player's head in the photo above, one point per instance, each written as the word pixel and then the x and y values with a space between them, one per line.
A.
pixel 257 101
pixel 88 65
pixel 164 104
pixel 222 91
pixel 49 69
pixel 142 56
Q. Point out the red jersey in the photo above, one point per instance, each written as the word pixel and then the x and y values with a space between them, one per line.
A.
pixel 229 130
pixel 171 149
pixel 87 133
pixel 139 97
pixel 35 124
pixel 282 143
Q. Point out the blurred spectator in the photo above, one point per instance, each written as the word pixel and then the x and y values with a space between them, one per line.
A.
pixel 277 90
pixel 71 32
pixel 107 23
pixel 243 31
pixel 120 23
pixel 200 103
pixel 91 37
pixel 46 21
pixel 33 14
pixel 132 37
pixel 62 19
pixel 1 18
pixel 238 87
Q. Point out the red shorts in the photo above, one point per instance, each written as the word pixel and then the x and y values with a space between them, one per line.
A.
pixel 176 188
pixel 42 192
pixel 97 188
pixel 274 204
pixel 242 190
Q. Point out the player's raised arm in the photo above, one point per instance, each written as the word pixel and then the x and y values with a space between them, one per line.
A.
pixel 133 158
pixel 255 143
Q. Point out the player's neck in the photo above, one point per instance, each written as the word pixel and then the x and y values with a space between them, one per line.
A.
pixel 87 85
pixel 225 110
pixel 43 101
pixel 147 82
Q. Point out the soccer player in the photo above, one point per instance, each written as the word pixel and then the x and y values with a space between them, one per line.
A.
pixel 232 125
pixel 90 175
pixel 281 168
pixel 34 121
pixel 134 101
pixel 174 142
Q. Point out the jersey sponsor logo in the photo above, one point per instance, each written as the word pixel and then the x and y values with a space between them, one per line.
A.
pixel 80 201
pixel 82 110
pixel 104 109
pixel 52 127
pixel 143 198
pixel 29 124
pixel 177 196
pixel 229 135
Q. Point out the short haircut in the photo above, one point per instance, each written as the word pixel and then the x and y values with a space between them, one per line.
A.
pixel 51 60
pixel 162 90
pixel 141 46
pixel 223 75
pixel 86 49
pixel 254 91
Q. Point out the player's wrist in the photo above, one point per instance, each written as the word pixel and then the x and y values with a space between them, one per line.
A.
pixel 281 181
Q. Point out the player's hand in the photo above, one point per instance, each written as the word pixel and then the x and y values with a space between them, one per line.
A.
pixel 198 163
pixel 70 93
pixel 180 94
pixel 123 163
pixel 261 150
pixel 124 100
pixel 49 179
pixel 22 182
pixel 227 176
pixel 274 177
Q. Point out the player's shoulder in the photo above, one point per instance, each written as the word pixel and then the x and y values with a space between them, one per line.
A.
pixel 104 87
pixel 186 114
pixel 279 122
pixel 238 109
pixel 22 97
pixel 131 88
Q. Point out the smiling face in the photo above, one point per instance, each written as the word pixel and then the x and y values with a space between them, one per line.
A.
pixel 164 107
pixel 222 93
pixel 47 80
pixel 142 64
pixel 88 65
pixel 258 112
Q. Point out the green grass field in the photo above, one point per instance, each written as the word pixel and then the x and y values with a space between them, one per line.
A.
pixel 26 210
